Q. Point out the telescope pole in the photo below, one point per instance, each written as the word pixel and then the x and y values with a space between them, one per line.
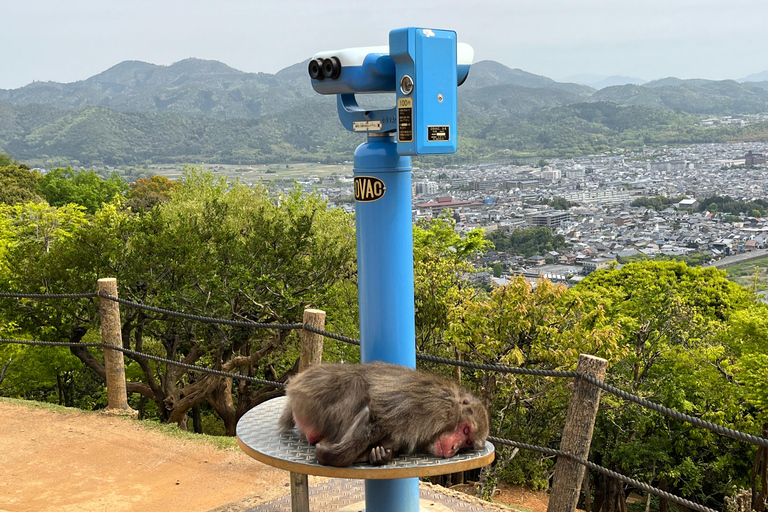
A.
pixel 385 282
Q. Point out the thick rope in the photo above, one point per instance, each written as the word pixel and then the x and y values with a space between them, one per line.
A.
pixel 206 319
pixel 50 295
pixel 148 356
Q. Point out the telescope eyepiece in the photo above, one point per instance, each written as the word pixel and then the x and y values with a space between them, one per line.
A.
pixel 331 68
pixel 315 69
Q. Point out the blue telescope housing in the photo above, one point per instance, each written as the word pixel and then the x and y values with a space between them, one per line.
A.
pixel 422 66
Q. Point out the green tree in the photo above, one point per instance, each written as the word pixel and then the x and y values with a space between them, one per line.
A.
pixel 7 160
pixel 541 327
pixel 441 260
pixel 86 188
pixel 17 183
pixel 559 203
pixel 670 316
pixel 215 249
pixel 747 338
pixel 527 242
pixel 145 193
pixel 31 242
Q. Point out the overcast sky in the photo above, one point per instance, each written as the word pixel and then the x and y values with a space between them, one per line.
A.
pixel 71 40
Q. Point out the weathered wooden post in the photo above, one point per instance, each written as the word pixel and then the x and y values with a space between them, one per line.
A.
pixel 111 334
pixel 577 436
pixel 311 354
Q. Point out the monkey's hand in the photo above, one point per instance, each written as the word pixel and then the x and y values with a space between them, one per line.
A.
pixel 379 456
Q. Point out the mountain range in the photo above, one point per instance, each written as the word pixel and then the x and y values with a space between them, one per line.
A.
pixel 194 110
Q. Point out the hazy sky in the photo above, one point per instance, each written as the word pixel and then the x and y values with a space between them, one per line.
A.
pixel 66 41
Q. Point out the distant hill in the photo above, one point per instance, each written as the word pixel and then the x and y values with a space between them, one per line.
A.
pixel 310 131
pixel 199 110
pixel 691 96
pixel 674 81
pixel 757 77
pixel 488 73
pixel 600 82
pixel 191 86
pixel 510 101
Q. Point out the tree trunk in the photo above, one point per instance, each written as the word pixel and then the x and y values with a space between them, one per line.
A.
pixel 5 368
pixel 600 488
pixel 663 504
pixel 488 381
pixel 587 493
pixel 60 388
pixel 220 399
pixel 615 496
pixel 141 407
pixel 197 420
pixel 648 496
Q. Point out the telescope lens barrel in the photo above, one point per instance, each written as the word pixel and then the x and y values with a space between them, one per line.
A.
pixel 316 69
pixel 331 68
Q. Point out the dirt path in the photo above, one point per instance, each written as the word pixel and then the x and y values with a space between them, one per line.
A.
pixel 74 461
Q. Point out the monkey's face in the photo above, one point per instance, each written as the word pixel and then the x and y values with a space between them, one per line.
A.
pixel 450 443
pixel 469 435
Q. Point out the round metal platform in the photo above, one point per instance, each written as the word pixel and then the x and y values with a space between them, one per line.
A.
pixel 258 435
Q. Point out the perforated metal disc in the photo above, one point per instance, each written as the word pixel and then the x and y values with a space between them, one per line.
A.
pixel 258 435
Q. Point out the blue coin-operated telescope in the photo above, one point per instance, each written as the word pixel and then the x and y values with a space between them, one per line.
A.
pixel 423 67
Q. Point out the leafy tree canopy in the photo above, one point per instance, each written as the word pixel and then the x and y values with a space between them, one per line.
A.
pixel 145 193
pixel 18 183
pixel 527 242
pixel 86 188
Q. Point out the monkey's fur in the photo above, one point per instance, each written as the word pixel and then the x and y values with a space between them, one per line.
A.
pixel 372 412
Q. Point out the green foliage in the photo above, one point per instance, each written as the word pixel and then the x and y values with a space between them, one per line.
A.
pixel 7 160
pixel 747 337
pixel 671 318
pixel 214 249
pixel 559 203
pixel 86 188
pixel 527 242
pixel 657 203
pixel 726 204
pixel 145 193
pixel 441 260
pixel 17 182
pixel 692 260
pixel 539 328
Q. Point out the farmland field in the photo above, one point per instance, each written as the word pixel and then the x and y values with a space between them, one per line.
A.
pixel 744 273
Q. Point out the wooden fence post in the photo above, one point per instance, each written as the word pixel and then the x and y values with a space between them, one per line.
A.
pixel 109 311
pixel 311 354
pixel 577 436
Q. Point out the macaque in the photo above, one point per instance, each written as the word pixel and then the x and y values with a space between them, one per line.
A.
pixel 373 412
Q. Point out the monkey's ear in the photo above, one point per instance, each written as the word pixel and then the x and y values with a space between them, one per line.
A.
pixel 465 401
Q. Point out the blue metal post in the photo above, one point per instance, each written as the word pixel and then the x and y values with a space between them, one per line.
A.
pixel 385 283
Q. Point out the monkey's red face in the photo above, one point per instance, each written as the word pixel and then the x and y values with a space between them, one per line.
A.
pixel 450 443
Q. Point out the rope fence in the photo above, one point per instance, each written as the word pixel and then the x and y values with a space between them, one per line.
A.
pixel 579 375
pixel 605 471
pixel 718 429
pixel 134 354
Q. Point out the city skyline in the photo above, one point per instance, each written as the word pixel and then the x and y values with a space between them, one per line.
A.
pixel 67 42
